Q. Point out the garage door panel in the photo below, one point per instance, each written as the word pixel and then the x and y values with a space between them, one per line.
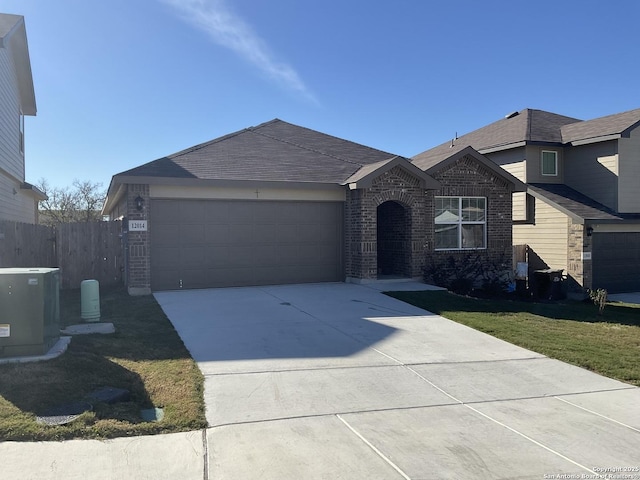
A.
pixel 166 257
pixel 241 213
pixel 193 256
pixel 288 234
pixel 266 256
pixel 326 254
pixel 167 278
pixel 191 234
pixel 266 233
pixel 193 212
pixel 236 243
pixel 241 234
pixel 216 234
pixel 328 233
pixel 616 261
pixel 217 257
pixel 218 214
pixel 168 212
pixel 194 278
pixel 241 256
pixel 164 235
pixel 264 213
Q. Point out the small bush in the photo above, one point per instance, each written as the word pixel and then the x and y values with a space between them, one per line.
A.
pixel 599 298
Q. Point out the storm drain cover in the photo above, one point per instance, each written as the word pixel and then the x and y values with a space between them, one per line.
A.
pixel 66 413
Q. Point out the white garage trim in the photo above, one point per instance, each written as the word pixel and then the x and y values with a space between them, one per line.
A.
pixel 247 193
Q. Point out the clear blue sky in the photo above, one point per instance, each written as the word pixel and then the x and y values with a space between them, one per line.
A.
pixel 123 82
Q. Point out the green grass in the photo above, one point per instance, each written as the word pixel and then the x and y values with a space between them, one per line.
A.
pixel 573 332
pixel 145 356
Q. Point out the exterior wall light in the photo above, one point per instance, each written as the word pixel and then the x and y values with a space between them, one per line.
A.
pixel 139 203
pixel 589 231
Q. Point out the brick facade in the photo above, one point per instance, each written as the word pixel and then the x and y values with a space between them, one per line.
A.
pixel 138 274
pixel 361 224
pixel 469 178
pixel 398 200
pixel 579 271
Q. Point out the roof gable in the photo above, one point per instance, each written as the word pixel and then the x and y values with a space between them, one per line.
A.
pixel 518 186
pixel 365 176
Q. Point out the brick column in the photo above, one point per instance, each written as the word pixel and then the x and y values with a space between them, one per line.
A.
pixel 139 260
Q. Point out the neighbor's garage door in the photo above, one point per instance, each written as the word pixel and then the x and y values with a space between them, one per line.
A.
pixel 616 261
pixel 219 243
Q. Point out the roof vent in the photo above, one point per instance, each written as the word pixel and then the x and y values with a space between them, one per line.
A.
pixel 511 115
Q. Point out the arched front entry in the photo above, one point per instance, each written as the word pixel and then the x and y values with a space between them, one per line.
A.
pixel 393 240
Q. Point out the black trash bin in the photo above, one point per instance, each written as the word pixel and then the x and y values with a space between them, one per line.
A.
pixel 548 284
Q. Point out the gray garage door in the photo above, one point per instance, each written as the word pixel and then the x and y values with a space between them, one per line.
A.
pixel 220 243
pixel 616 261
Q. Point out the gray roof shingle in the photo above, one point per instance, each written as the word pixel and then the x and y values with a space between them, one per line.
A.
pixel 527 126
pixel 576 204
pixel 531 126
pixel 617 124
pixel 272 151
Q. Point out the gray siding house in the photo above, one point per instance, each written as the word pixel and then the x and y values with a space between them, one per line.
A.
pixel 18 199
pixel 581 210
pixel 279 203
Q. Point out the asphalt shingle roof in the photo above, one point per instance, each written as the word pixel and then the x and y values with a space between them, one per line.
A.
pixel 577 204
pixel 531 126
pixel 526 126
pixel 272 151
pixel 600 127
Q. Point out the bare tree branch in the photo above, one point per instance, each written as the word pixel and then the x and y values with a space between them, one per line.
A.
pixel 81 203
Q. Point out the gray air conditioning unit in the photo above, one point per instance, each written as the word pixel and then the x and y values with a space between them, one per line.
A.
pixel 29 310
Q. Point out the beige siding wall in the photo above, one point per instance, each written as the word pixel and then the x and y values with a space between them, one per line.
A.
pixel 629 164
pixel 534 165
pixel 18 207
pixel 548 237
pixel 513 161
pixel 593 170
pixel 11 159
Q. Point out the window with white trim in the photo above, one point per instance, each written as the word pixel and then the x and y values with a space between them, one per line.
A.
pixel 549 161
pixel 460 223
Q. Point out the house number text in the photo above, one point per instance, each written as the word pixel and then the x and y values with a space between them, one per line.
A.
pixel 137 225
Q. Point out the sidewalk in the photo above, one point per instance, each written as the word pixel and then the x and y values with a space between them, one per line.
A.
pixel 159 457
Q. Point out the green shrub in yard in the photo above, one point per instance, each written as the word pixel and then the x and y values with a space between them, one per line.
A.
pixel 599 298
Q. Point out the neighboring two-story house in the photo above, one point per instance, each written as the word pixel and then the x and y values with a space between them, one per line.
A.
pixel 18 199
pixel 581 211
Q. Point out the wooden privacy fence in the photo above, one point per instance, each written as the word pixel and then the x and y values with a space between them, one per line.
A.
pixel 82 251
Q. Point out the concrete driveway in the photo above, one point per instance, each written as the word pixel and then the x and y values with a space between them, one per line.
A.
pixel 340 381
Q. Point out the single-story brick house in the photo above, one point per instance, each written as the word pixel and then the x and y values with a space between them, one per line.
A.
pixel 280 203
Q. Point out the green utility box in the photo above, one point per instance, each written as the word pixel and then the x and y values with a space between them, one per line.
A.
pixel 29 310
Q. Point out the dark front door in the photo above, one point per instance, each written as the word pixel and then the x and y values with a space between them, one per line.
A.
pixel 394 240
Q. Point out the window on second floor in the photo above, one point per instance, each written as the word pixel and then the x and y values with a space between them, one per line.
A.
pixel 460 223
pixel 549 163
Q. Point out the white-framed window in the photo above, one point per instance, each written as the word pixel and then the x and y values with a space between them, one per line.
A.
pixel 549 162
pixel 460 223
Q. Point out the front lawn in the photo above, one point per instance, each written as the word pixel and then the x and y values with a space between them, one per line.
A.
pixel 573 332
pixel 145 356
